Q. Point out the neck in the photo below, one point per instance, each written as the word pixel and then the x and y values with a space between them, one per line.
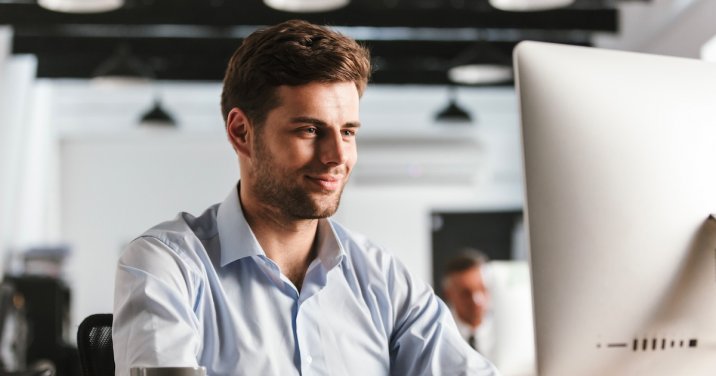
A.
pixel 289 242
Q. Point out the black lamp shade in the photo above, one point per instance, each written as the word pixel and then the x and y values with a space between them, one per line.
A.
pixel 453 114
pixel 157 116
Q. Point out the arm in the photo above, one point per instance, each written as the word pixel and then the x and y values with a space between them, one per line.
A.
pixel 154 324
pixel 424 339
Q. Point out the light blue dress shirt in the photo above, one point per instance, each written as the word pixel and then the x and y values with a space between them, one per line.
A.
pixel 201 291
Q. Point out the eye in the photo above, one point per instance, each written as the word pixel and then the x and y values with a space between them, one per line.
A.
pixel 310 130
pixel 348 132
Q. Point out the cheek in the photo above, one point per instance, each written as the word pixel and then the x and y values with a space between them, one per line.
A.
pixel 290 156
pixel 466 306
pixel 352 156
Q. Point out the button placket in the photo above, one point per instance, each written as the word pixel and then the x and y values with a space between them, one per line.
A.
pixel 310 339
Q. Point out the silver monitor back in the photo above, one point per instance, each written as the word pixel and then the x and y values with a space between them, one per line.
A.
pixel 620 173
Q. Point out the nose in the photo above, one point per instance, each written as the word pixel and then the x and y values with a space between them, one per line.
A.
pixel 333 149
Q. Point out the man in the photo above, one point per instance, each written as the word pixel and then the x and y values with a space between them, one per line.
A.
pixel 264 283
pixel 465 292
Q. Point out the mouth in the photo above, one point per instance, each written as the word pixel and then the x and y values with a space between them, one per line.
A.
pixel 326 182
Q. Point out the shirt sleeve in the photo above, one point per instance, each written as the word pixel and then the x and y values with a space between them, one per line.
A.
pixel 154 323
pixel 425 339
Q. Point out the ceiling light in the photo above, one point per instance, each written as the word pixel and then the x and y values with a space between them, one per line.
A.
pixel 480 64
pixel 81 6
pixel 529 5
pixel 157 116
pixel 453 113
pixel 122 68
pixel 306 6
pixel 475 74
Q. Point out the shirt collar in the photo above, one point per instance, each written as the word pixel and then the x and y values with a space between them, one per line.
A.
pixel 236 238
pixel 238 241
pixel 330 249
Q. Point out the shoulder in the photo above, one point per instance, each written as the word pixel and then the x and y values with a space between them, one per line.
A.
pixel 179 241
pixel 381 278
pixel 360 249
pixel 372 264
pixel 186 228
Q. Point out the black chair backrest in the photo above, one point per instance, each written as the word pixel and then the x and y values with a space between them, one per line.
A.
pixel 94 341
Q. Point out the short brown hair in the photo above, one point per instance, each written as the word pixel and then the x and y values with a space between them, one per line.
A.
pixel 291 53
pixel 467 259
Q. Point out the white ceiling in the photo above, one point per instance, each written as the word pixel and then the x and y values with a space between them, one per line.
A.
pixel 664 27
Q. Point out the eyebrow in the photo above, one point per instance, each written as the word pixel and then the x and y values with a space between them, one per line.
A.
pixel 318 122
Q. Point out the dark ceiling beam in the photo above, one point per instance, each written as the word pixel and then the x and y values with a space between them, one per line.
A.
pixel 411 42
pixel 396 62
pixel 415 71
pixel 222 46
pixel 252 12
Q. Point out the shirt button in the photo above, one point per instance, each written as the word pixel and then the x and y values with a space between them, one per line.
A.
pixel 309 359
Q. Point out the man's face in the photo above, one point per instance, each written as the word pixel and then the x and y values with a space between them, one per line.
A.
pixel 304 152
pixel 466 293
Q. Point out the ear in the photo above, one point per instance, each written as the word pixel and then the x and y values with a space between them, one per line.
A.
pixel 239 131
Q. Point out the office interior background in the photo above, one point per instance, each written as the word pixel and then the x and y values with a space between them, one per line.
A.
pixel 82 174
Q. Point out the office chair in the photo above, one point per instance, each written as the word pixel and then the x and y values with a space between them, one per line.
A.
pixel 94 341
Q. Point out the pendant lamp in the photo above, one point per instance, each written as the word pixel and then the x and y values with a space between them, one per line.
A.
pixel 481 64
pixel 452 113
pixel 157 116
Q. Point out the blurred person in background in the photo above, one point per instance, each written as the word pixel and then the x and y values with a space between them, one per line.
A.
pixel 466 293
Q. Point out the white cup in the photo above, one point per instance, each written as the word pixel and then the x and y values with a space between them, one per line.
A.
pixel 167 371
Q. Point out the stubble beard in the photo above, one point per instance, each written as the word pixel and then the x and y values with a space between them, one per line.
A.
pixel 274 186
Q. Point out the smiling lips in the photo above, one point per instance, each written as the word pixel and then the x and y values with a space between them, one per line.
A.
pixel 327 182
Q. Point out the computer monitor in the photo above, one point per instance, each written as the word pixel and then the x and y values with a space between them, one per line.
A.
pixel 620 171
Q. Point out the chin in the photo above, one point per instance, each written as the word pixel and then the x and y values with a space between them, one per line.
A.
pixel 315 210
pixel 326 205
pixel 325 212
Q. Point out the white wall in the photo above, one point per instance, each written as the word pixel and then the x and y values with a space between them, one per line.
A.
pixel 114 188
pixel 118 179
